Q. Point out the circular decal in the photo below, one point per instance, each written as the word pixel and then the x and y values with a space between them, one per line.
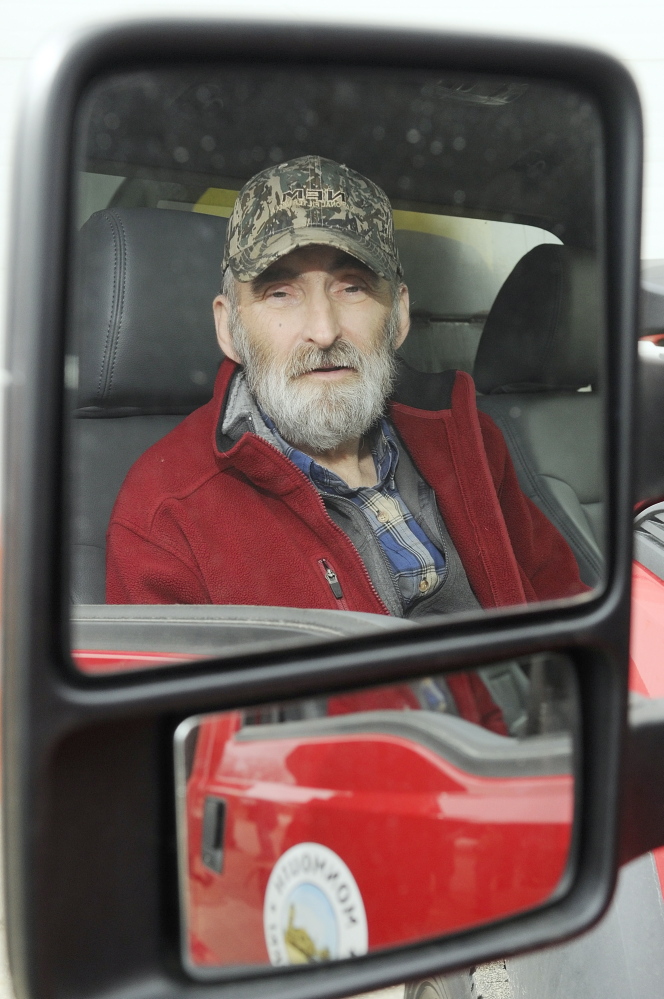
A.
pixel 313 909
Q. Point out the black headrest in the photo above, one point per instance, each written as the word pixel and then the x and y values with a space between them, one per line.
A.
pixel 445 277
pixel 543 330
pixel 144 283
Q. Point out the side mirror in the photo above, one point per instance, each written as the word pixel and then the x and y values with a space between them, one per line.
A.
pixel 254 718
pixel 315 820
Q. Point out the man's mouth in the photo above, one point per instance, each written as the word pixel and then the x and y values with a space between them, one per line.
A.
pixel 333 367
pixel 330 373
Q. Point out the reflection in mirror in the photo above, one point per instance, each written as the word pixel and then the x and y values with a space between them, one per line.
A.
pixel 316 830
pixel 395 233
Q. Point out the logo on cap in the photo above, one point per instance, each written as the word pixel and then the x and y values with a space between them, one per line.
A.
pixel 305 196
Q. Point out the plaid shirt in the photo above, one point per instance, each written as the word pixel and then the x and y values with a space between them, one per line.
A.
pixel 417 566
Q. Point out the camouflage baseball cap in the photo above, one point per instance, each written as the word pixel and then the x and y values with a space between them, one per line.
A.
pixel 310 200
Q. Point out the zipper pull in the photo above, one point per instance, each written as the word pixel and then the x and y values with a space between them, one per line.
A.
pixel 332 578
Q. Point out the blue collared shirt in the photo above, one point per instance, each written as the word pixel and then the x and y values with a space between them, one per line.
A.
pixel 416 564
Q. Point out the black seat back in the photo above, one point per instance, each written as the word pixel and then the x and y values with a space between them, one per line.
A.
pixel 537 369
pixel 146 355
pixel 451 290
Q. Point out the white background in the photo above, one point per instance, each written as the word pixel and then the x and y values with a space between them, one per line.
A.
pixel 633 30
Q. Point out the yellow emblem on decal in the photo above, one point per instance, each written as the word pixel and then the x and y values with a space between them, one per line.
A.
pixel 299 945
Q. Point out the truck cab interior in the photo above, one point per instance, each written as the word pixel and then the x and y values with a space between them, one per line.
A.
pixel 495 235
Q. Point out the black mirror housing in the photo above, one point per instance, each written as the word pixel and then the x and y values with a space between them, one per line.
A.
pixel 90 859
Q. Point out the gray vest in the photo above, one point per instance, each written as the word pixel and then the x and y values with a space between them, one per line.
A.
pixel 455 594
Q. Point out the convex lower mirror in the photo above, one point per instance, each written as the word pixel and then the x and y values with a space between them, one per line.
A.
pixel 304 826
pixel 402 271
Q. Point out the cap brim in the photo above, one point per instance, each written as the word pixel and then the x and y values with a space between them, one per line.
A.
pixel 249 265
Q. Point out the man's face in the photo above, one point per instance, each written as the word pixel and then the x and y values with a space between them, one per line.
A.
pixel 316 333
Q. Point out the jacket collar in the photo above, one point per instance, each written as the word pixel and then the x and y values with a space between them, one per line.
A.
pixel 240 435
pixel 240 413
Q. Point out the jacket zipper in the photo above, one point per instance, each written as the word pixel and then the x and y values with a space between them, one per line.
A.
pixel 336 527
pixel 333 582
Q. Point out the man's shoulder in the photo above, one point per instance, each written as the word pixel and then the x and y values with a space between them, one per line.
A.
pixel 173 468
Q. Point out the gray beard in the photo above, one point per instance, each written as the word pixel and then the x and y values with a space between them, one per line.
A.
pixel 320 417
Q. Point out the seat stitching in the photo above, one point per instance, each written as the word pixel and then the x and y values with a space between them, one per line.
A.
pixel 122 303
pixel 109 220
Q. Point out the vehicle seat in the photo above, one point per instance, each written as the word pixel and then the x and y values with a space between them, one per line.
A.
pixel 145 350
pixel 451 291
pixel 537 370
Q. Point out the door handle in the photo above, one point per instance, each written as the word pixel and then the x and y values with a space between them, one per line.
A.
pixel 212 844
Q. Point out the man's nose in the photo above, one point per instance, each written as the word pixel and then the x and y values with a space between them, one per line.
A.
pixel 321 322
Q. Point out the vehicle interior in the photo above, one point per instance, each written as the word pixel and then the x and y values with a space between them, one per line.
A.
pixel 496 227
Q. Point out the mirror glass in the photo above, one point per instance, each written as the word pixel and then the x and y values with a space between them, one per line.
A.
pixel 334 355
pixel 318 830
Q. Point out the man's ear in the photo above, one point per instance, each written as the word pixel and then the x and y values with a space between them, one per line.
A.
pixel 404 316
pixel 221 307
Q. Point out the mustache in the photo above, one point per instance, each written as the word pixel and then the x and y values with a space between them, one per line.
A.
pixel 308 357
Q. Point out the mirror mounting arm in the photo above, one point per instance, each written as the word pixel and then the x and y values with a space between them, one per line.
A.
pixel 642 810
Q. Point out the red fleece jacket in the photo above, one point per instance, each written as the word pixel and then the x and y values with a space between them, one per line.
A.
pixel 193 524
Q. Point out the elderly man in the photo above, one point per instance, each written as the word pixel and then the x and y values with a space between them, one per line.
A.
pixel 308 480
